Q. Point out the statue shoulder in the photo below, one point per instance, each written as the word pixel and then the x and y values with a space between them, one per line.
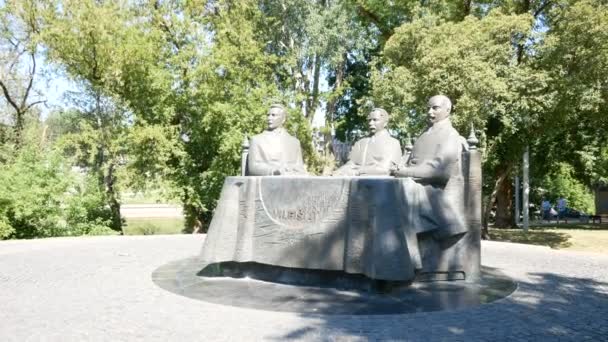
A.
pixel 292 139
pixel 457 139
pixel 393 140
pixel 463 142
pixel 362 140
pixel 453 133
pixel 256 138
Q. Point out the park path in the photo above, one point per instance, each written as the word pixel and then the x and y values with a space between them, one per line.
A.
pixel 100 289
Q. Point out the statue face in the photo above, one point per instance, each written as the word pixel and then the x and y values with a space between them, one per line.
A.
pixel 376 122
pixel 275 118
pixel 438 110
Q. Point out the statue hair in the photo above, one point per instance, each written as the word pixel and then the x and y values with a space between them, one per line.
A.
pixel 381 111
pixel 280 106
pixel 445 101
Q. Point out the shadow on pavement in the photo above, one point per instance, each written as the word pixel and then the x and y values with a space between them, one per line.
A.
pixel 547 307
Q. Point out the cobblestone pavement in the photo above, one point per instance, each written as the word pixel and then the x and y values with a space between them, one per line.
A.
pixel 100 288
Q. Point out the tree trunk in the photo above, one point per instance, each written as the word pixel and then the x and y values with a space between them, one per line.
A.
pixel 19 125
pixel 466 8
pixel 504 202
pixel 113 199
pixel 314 96
pixel 194 218
pixel 331 110
pixel 331 103
pixel 502 176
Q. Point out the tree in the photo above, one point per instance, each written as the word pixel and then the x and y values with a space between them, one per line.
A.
pixel 490 89
pixel 561 182
pixel 18 65
pixel 192 77
pixel 98 145
pixel 95 46
pixel 502 63
pixel 40 195
pixel 173 87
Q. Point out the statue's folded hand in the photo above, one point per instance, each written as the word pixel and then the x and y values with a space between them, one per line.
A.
pixel 394 167
pixel 401 171
pixel 345 171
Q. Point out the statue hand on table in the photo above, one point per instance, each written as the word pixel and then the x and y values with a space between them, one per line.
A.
pixel 286 170
pixel 348 170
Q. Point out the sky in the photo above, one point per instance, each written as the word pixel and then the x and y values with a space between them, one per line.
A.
pixel 53 84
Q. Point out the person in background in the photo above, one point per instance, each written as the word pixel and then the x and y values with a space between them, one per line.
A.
pixel 562 205
pixel 546 209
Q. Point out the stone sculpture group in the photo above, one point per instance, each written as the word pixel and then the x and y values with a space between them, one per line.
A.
pixel 384 215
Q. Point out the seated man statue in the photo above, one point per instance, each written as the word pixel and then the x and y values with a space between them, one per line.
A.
pixel 373 155
pixel 274 152
pixel 433 188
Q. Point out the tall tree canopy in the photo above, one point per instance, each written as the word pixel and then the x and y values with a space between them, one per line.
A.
pixel 169 89
pixel 511 70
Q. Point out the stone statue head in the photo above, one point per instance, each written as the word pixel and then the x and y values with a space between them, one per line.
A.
pixel 377 120
pixel 276 117
pixel 439 108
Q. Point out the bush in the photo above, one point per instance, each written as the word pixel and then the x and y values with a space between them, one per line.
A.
pixel 148 229
pixel 6 229
pixel 40 196
pixel 562 183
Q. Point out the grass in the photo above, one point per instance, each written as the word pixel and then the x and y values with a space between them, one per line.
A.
pixel 574 237
pixel 152 226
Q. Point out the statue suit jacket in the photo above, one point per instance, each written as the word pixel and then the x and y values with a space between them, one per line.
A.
pixel 436 167
pixel 274 150
pixel 373 155
pixel 436 155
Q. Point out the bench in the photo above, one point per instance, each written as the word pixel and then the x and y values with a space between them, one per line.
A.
pixel 598 218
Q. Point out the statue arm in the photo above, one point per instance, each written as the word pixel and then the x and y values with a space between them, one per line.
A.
pixel 383 167
pixel 257 164
pixel 436 169
pixel 427 170
pixel 299 167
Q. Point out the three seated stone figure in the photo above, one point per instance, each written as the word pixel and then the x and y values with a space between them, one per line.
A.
pixel 421 225
pixel 373 155
pixel 274 152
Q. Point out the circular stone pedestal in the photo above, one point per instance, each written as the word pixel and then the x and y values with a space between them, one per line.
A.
pixel 182 277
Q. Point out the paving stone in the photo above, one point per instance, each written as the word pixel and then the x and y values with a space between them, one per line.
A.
pixel 100 288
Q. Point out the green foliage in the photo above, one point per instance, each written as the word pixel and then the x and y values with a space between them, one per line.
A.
pixel 85 211
pixel 171 88
pixel 31 195
pixel 478 71
pixel 561 183
pixel 525 73
pixel 41 196
pixel 194 84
